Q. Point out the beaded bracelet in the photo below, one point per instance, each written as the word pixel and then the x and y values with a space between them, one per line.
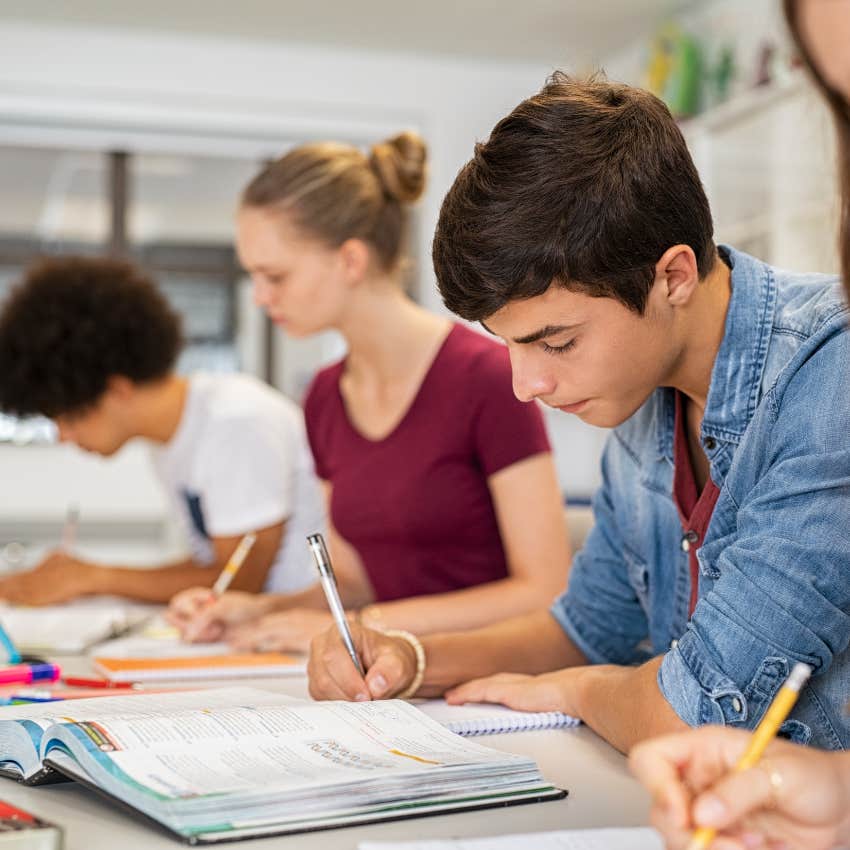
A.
pixel 414 641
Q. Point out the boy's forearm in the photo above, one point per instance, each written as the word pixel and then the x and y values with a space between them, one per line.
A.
pixel 157 584
pixel 624 705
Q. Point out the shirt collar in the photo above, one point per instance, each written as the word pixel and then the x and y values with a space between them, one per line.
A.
pixel 735 387
pixel 736 377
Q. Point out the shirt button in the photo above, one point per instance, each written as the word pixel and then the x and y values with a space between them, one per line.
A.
pixel 710 443
pixel 690 538
pixel 674 643
pixel 737 705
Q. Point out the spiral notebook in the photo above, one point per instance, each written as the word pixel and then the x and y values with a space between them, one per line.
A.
pixel 485 719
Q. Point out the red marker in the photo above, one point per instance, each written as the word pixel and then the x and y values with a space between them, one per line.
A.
pixel 79 682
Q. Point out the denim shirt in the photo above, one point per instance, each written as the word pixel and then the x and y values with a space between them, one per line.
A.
pixel 774 567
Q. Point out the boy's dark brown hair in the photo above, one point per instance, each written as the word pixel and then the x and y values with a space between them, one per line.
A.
pixel 841 113
pixel 74 322
pixel 586 185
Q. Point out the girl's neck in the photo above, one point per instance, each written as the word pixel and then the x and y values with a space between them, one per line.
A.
pixel 388 334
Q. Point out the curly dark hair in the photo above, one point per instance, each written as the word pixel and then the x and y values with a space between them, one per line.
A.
pixel 585 184
pixel 74 322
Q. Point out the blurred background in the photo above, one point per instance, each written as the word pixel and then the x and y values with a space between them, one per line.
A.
pixel 130 128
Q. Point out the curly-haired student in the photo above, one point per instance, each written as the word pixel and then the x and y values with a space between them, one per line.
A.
pixel 91 343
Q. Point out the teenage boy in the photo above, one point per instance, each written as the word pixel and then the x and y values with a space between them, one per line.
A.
pixel 580 235
pixel 91 343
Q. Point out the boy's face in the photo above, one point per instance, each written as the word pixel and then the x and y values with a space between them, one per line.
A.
pixel 589 356
pixel 97 429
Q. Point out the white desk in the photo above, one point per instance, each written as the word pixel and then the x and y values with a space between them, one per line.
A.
pixel 602 793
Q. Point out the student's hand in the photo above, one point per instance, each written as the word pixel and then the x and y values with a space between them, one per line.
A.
pixel 284 631
pixel 58 578
pixel 390 665
pixel 201 617
pixel 548 692
pixel 805 807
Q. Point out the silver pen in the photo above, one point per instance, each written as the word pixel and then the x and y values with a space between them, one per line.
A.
pixel 326 576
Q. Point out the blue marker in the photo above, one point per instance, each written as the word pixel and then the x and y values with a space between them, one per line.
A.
pixel 8 648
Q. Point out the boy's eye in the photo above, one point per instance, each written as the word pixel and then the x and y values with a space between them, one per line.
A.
pixel 558 349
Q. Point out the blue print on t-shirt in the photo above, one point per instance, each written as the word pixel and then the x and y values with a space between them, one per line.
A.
pixel 196 512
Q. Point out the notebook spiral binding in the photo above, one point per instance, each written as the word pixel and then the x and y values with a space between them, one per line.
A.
pixel 495 724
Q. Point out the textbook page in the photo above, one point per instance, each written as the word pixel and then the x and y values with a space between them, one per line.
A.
pixel 260 763
pixel 42 716
pixel 584 839
pixel 212 745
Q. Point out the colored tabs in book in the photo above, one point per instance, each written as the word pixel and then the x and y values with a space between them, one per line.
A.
pixel 206 667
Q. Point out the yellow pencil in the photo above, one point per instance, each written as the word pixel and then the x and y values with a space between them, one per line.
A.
pixel 240 553
pixel 765 732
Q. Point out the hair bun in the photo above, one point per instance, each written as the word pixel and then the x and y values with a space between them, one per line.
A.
pixel 399 163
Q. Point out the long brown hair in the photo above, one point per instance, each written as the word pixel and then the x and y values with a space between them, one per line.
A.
pixel 336 192
pixel 841 112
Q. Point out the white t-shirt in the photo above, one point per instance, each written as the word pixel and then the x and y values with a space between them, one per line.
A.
pixel 238 462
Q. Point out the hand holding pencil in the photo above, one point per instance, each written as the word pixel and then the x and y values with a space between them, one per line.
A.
pixel 191 610
pixel 794 797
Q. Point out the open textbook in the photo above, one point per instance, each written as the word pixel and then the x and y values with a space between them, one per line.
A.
pixel 230 763
pixel 579 839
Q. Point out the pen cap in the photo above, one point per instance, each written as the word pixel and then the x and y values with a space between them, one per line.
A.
pixel 323 561
pixel 45 672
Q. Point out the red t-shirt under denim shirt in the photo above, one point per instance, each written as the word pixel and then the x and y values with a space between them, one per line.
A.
pixel 416 505
pixel 695 508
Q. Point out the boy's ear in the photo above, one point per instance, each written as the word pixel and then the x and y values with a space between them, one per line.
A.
pixel 678 268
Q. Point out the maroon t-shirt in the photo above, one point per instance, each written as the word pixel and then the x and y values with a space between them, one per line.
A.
pixel 695 508
pixel 416 505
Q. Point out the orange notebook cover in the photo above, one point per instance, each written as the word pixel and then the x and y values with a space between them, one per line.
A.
pixel 203 667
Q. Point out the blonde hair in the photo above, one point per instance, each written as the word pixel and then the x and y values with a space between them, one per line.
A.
pixel 336 192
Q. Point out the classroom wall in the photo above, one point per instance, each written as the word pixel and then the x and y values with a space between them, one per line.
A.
pixel 84 86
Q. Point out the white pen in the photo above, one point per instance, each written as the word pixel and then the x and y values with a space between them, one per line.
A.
pixel 326 576
pixel 69 530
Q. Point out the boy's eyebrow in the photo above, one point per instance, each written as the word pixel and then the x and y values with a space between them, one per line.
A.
pixel 536 336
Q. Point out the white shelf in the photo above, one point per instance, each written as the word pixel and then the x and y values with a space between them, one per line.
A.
pixel 745 106
pixel 765 160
